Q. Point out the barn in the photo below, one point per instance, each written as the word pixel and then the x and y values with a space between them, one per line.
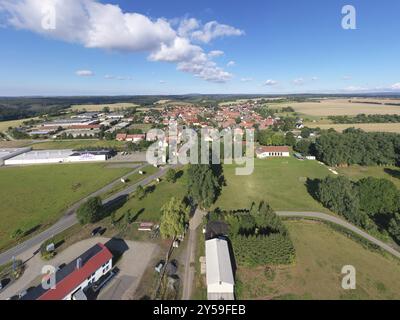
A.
pixel 219 273
pixel 272 152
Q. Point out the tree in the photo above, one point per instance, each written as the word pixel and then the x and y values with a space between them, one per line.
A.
pixel 174 217
pixel 140 192
pixel 394 227
pixel 204 184
pixel 290 140
pixel 90 211
pixel 378 196
pixel 171 175
pixel 106 110
pixel 305 132
pixel 305 147
pixel 340 195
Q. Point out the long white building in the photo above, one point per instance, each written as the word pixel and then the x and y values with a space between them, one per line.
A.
pixel 219 274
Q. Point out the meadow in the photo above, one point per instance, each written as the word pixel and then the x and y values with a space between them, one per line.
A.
pixel 335 107
pixel 99 107
pixel 78 144
pixel 4 125
pixel 321 252
pixel 36 196
pixel 280 181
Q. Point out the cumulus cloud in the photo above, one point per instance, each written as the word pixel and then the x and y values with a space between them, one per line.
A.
pixel 396 86
pixel 213 30
pixel 270 83
pixel 231 64
pixel 215 53
pixel 105 26
pixel 84 73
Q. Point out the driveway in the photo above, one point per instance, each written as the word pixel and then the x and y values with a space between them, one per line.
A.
pixel 132 265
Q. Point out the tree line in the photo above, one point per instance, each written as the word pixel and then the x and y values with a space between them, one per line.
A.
pixel 363 118
pixel 370 203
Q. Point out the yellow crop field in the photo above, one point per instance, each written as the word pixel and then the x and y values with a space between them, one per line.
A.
pixel 336 107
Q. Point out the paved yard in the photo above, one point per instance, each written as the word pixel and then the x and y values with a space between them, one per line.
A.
pixel 132 265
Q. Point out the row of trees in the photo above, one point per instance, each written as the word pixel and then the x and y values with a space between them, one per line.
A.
pixel 259 237
pixel 363 118
pixel 355 146
pixel 371 203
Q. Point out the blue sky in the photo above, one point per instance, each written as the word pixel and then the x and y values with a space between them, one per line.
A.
pixel 269 46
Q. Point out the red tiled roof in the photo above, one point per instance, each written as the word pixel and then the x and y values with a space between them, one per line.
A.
pixel 73 280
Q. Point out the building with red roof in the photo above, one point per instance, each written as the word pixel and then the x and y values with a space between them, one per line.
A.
pixel 272 152
pixel 75 277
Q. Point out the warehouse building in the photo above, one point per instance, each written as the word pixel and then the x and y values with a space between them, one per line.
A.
pixel 219 273
pixel 8 153
pixel 58 156
pixel 72 280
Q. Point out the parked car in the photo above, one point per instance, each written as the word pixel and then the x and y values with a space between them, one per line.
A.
pixel 96 231
pixel 4 283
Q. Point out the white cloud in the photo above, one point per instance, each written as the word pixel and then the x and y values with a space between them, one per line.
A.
pixel 396 86
pixel 213 30
pixel 246 79
pixel 356 89
pixel 162 82
pixel 231 64
pixel 105 26
pixel 299 81
pixel 314 78
pixel 215 53
pixel 84 73
pixel 270 83
pixel 122 78
pixel 346 78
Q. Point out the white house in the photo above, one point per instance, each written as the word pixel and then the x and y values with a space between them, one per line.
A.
pixel 219 274
pixel 75 277
pixel 272 152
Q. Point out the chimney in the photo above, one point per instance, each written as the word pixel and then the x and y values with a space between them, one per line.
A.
pixel 79 263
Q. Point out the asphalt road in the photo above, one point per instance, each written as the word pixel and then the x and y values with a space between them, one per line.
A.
pixel 343 223
pixel 69 219
pixel 190 259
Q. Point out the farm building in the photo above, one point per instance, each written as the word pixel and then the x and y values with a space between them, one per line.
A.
pixel 75 277
pixel 57 156
pixel 8 153
pixel 272 152
pixel 219 274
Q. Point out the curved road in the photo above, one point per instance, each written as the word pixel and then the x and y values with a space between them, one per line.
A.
pixel 69 219
pixel 343 223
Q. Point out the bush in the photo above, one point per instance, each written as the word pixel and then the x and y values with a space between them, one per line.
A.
pixel 90 211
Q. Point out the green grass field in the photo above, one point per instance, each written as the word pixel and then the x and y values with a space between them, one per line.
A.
pixel 150 207
pixel 78 144
pixel 38 195
pixel 320 255
pixel 359 172
pixel 280 181
pixel 132 179
pixel 4 125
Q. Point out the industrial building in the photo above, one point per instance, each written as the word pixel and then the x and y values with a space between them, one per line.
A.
pixel 72 280
pixel 219 274
pixel 8 153
pixel 57 156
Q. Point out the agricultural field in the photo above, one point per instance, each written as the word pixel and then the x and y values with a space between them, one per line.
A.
pixel 4 125
pixel 358 172
pixel 336 107
pixel 280 181
pixel 36 196
pixel 368 127
pixel 78 144
pixel 99 107
pixel 15 143
pixel 321 252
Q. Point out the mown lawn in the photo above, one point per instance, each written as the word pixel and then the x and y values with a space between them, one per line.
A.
pixel 149 208
pixel 280 181
pixel 38 195
pixel 359 172
pixel 321 253
pixel 78 144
